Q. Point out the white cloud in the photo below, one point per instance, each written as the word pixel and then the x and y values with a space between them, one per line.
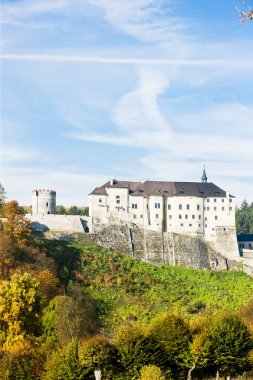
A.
pixel 11 12
pixel 144 20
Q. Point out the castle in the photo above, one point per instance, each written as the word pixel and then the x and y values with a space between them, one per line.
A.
pixel 179 223
pixel 198 209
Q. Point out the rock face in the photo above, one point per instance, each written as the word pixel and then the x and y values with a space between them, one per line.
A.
pixel 157 247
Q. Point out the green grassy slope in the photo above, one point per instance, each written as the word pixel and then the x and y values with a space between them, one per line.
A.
pixel 125 288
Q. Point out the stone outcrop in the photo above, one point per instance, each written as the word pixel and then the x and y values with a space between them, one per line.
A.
pixel 157 247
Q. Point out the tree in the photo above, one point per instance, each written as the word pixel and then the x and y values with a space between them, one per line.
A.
pixel 231 343
pixel 151 372
pixel 19 311
pixel 173 335
pixel 244 218
pixel 2 196
pixel 69 317
pixel 135 350
pixel 246 16
pixel 64 364
pixel 16 226
pixel 97 354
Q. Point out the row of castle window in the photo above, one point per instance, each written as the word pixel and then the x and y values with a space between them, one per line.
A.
pixel 158 205
pixel 193 217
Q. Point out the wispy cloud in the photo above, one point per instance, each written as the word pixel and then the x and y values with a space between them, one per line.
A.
pixel 11 12
pixel 240 63
pixel 145 20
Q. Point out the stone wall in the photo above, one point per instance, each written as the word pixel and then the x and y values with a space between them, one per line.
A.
pixel 156 247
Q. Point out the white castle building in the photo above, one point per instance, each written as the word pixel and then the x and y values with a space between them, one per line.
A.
pixel 199 209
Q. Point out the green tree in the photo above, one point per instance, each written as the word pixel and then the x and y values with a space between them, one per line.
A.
pixel 73 210
pixel 69 317
pixel 244 218
pixel 231 343
pixel 64 364
pixel 173 335
pixel 2 196
pixel 16 226
pixel 97 354
pixel 60 210
pixel 135 350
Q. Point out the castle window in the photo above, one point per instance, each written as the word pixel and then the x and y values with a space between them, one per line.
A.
pixel 190 225
pixel 186 216
pixel 117 199
pixel 157 205
pixel 216 217
pixel 208 200
pixel 180 216
pixel 205 218
pixel 47 204
pixel 199 225
pixel 223 208
pixel 222 200
pixel 100 200
pixel 230 208
pixel 181 225
pixel 187 207
pixel 199 216
pixel 170 216
pixel 215 208
pixel 198 207
pixel 206 225
pixel 230 200
pixel 193 216
pixel 169 207
pixel 134 216
pixel 214 200
pixel 157 216
pixel 134 205
pixel 180 207
pixel 141 216
pixel 208 208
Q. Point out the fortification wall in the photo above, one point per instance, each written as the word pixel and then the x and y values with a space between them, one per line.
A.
pixel 63 223
pixel 158 248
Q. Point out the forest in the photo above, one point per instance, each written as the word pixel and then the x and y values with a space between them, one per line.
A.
pixel 78 311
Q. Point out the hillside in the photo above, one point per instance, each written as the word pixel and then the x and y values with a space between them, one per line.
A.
pixel 127 289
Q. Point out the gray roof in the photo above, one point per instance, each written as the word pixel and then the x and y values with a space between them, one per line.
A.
pixel 245 237
pixel 132 186
pixel 169 189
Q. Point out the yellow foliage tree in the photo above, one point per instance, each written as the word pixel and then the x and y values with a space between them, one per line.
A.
pixel 16 226
pixel 19 311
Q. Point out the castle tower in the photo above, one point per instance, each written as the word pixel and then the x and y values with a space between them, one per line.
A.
pixel 43 201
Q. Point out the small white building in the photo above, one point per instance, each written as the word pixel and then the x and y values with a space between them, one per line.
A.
pixel 245 245
pixel 190 208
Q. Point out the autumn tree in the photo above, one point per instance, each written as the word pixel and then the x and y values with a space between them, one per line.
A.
pixel 16 226
pixel 246 15
pixel 151 372
pixel 19 312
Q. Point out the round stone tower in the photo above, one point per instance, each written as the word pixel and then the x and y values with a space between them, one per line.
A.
pixel 43 201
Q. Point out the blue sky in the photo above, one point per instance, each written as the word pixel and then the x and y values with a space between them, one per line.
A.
pixel 127 89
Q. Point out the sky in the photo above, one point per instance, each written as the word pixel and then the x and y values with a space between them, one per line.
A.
pixel 127 89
